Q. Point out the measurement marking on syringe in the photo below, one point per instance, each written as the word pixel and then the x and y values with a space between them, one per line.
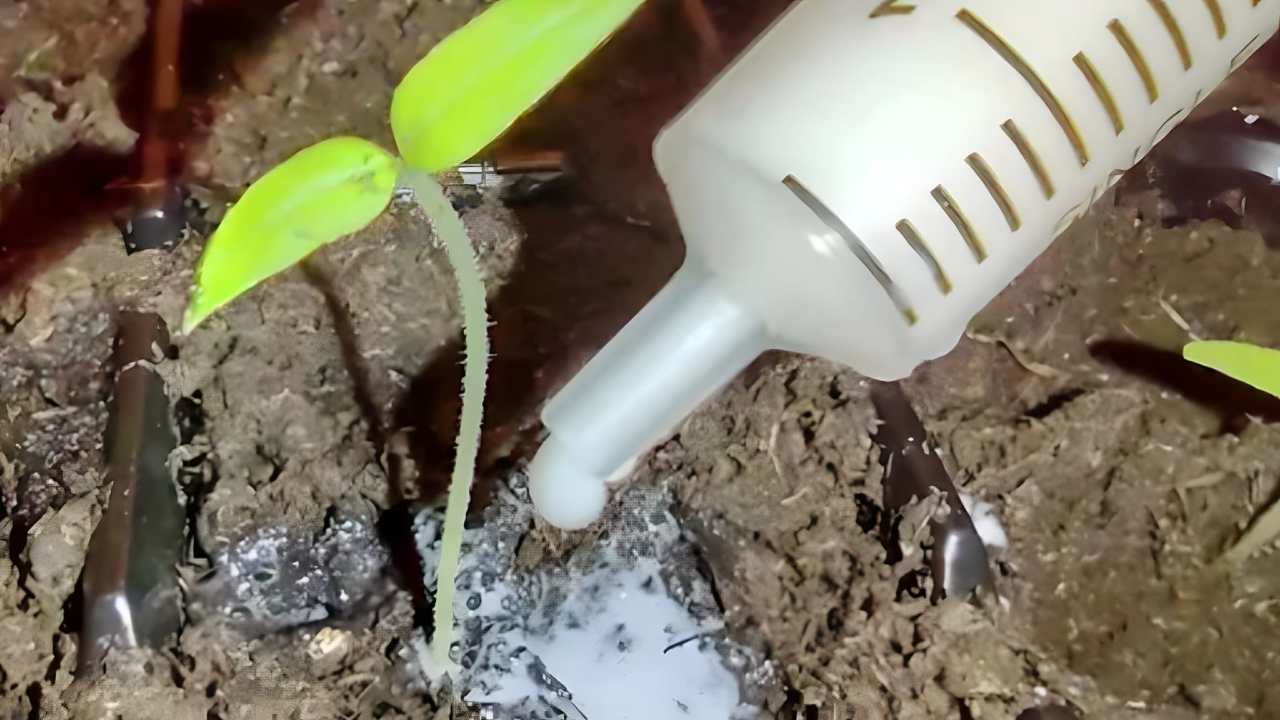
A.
pixel 1136 57
pixel 1170 23
pixel 1235 61
pixel 963 226
pixel 1011 56
pixel 1062 223
pixel 1169 121
pixel 992 183
pixel 1032 158
pixel 1100 89
pixel 892 7
pixel 1219 20
pixel 917 243
pixel 854 243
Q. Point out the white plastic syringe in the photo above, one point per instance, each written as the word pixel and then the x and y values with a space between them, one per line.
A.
pixel 867 177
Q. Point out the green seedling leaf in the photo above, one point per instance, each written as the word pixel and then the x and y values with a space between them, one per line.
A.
pixel 324 192
pixel 474 84
pixel 1256 366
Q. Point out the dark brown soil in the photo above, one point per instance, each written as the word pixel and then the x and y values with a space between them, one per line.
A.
pixel 1118 494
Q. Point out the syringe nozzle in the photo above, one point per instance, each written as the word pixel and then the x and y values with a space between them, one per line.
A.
pixel 565 493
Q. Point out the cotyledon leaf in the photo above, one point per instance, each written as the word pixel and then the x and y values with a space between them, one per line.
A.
pixel 1256 366
pixel 476 82
pixel 322 193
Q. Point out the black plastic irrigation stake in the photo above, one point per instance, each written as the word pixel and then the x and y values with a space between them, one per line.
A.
pixel 130 584
pixel 959 560
pixel 131 595
pixel 158 218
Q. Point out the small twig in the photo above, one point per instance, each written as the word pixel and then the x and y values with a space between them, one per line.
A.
pixel 686 641
pixel 1264 530
pixel 357 678
pixel 1177 318
pixel 1031 366
pixel 789 501
pixel 1203 481
pixel 773 451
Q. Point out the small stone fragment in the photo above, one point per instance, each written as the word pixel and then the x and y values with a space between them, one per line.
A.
pixel 57 551
pixel 329 650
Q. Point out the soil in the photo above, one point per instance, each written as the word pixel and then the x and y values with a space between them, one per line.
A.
pixel 1116 493
pixel 318 411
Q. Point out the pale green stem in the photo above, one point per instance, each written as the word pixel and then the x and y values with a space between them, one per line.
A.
pixel 475 326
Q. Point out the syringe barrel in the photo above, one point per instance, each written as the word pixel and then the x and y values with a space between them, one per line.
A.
pixel 867 177
pixel 870 174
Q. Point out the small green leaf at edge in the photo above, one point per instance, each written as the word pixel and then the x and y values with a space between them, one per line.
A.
pixel 477 81
pixel 1250 364
pixel 331 189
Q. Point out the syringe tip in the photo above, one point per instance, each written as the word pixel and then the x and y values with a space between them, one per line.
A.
pixel 564 493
